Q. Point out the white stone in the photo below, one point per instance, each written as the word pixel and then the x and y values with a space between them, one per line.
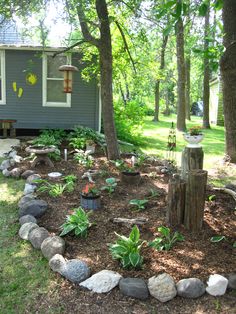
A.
pixel 103 281
pixel 217 285
pixel 56 263
pixel 162 287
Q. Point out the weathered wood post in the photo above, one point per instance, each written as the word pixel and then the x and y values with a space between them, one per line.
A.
pixel 195 199
pixel 192 158
pixel 176 200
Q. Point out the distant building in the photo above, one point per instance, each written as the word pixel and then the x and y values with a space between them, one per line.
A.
pixel 216 102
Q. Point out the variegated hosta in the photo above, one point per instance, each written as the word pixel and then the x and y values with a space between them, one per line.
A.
pixel 127 250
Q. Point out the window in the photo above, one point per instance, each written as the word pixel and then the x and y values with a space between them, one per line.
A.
pixel 2 79
pixel 53 95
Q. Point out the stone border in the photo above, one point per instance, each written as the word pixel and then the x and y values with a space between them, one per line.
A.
pixel 162 287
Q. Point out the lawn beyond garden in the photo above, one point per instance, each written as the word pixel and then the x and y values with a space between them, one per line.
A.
pixel 196 256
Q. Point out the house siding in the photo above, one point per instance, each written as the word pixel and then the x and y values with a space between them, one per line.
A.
pixel 28 109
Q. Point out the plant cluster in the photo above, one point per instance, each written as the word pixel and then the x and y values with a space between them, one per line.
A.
pixel 83 158
pixel 166 239
pixel 90 190
pixel 195 130
pixel 127 250
pixel 78 222
pixel 122 165
pixel 57 189
pixel 110 185
pixel 138 204
pixel 70 182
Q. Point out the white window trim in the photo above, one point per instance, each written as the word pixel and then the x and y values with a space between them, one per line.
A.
pixel 68 95
pixel 3 77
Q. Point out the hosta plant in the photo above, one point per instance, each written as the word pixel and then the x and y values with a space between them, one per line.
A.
pixel 127 250
pixel 138 204
pixel 78 222
pixel 166 240
pixel 110 185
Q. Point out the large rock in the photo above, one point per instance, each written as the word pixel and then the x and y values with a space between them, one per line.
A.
pixel 17 159
pixel 27 173
pixel 75 270
pixel 16 172
pixel 102 282
pixel 25 199
pixel 190 288
pixel 162 287
pixel 29 188
pixel 32 179
pixel 26 228
pixel 37 236
pixel 6 173
pixel 52 246
pixel 134 287
pixel 217 285
pixel 232 281
pixel 34 207
pixel 27 218
pixel 56 263
pixel 5 164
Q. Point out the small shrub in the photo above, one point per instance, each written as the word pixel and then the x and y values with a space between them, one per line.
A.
pixel 127 250
pixel 84 159
pixel 166 240
pixel 78 222
pixel 110 185
pixel 138 204
pixel 50 137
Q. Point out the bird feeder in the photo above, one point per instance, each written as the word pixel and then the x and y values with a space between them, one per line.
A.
pixel 68 70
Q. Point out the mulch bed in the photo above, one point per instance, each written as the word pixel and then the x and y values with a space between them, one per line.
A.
pixel 194 257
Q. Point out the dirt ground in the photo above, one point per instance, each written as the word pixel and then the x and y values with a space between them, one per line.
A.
pixel 196 256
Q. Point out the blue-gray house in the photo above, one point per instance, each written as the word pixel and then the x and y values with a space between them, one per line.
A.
pixel 31 90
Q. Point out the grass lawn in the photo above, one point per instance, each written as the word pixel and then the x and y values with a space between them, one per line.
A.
pixel 24 273
pixel 156 135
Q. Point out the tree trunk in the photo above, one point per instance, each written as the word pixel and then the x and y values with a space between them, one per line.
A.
pixel 228 72
pixel 206 85
pixel 157 85
pixel 192 158
pixel 195 199
pixel 188 84
pixel 105 61
pixel 181 126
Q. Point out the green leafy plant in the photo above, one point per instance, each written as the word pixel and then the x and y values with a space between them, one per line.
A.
pixel 50 137
pixel 110 185
pixel 166 240
pixel 53 189
pixel 153 193
pixel 77 142
pixel 78 222
pixel 195 130
pixel 138 204
pixel 84 159
pixel 217 238
pixel 127 250
pixel 70 182
pixel 211 198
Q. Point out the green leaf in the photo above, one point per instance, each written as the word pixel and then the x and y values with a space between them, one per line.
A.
pixel 110 181
pixel 218 4
pixel 134 234
pixel 203 9
pixel 167 30
pixel 134 259
pixel 66 229
pixel 217 238
pixel 125 261
pixel 164 231
pixel 178 10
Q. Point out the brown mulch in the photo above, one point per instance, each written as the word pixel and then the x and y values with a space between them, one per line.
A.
pixel 194 257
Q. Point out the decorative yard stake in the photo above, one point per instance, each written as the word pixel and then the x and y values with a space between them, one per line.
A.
pixel 171 145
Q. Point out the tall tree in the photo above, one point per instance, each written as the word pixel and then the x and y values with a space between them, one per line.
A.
pixel 181 84
pixel 206 80
pixel 103 44
pixel 228 72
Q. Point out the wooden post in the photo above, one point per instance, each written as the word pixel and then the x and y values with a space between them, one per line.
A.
pixel 192 158
pixel 195 199
pixel 176 200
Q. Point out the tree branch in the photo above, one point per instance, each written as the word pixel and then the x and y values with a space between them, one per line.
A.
pixel 69 48
pixel 126 45
pixel 84 27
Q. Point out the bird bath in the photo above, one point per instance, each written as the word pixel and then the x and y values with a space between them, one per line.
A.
pixel 41 154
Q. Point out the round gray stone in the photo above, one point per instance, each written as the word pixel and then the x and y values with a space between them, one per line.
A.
pixel 25 199
pixel 27 218
pixel 56 263
pixel 37 236
pixel 162 287
pixel 29 188
pixel 26 228
pixel 52 246
pixel 27 173
pixel 33 207
pixel 75 271
pixel 5 164
pixel 16 172
pixel 134 287
pixel 190 288
pixel 33 178
pixel 6 173
pixel 232 281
